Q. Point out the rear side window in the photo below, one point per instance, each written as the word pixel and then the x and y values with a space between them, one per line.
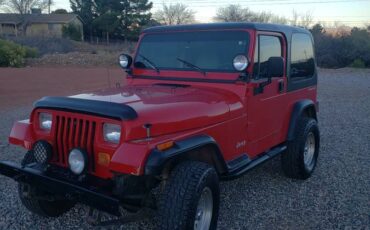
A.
pixel 266 47
pixel 302 61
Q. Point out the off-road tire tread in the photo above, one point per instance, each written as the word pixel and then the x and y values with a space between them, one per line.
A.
pixel 45 208
pixel 180 195
pixel 41 207
pixel 292 159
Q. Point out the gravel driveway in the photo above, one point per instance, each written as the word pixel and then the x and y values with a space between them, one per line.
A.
pixel 337 196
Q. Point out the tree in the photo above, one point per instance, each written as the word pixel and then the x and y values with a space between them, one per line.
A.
pixel 267 17
pixel 317 29
pixel 306 19
pixel 60 11
pixel 25 6
pixel 134 15
pixel 174 14
pixel 360 45
pixel 279 20
pixel 72 31
pixel 49 4
pixel 236 13
pixel 295 17
pixel 107 23
pixel 85 9
pixel 2 5
pixel 233 13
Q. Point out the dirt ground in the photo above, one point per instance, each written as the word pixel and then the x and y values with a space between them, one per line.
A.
pixel 23 86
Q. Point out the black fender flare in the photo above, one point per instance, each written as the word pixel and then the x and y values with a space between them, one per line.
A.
pixel 157 159
pixel 298 110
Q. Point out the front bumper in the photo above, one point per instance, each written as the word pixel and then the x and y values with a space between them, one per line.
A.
pixel 84 192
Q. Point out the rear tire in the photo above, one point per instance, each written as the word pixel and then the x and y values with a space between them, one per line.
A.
pixel 190 199
pixel 30 197
pixel 300 159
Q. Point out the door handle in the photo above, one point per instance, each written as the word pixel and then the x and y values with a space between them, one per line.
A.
pixel 281 86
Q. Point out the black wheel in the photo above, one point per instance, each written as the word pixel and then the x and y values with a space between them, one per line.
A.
pixel 300 159
pixel 190 199
pixel 38 201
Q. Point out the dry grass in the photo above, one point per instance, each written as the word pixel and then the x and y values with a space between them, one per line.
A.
pixel 85 55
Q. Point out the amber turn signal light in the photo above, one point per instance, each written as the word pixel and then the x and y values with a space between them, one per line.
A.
pixel 166 145
pixel 103 159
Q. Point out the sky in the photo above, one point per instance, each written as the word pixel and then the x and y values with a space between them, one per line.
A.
pixel 328 12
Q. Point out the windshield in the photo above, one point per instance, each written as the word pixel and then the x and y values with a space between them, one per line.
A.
pixel 202 51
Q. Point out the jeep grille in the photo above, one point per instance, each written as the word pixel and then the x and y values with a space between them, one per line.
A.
pixel 73 133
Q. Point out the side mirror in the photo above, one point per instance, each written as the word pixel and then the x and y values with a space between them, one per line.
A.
pixel 275 67
pixel 125 61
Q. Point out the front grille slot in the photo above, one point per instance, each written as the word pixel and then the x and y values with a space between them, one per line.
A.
pixel 70 133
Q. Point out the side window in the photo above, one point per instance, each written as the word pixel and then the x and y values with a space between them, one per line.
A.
pixel 266 47
pixel 302 61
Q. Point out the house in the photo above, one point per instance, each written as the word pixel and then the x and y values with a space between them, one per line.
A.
pixel 37 24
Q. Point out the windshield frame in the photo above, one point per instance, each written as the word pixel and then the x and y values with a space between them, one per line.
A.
pixel 247 52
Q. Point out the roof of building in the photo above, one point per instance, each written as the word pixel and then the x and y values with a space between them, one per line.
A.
pixel 37 18
pixel 228 25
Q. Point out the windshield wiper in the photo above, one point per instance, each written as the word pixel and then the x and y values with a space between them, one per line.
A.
pixel 192 66
pixel 151 64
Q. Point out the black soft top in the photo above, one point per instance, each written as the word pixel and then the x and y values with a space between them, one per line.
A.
pixel 287 30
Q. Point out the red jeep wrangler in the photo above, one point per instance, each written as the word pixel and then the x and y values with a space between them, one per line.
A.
pixel 202 103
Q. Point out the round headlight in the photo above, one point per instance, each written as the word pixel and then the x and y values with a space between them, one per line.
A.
pixel 42 152
pixel 77 161
pixel 240 62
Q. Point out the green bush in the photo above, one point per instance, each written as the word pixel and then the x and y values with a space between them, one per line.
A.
pixel 72 32
pixel 358 63
pixel 31 52
pixel 13 55
pixel 342 50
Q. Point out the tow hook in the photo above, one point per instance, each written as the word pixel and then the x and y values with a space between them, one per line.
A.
pixel 95 218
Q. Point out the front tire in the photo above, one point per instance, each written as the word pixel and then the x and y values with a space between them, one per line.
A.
pixel 190 199
pixel 31 198
pixel 36 200
pixel 300 159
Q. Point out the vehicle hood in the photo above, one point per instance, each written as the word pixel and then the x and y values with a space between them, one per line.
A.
pixel 170 108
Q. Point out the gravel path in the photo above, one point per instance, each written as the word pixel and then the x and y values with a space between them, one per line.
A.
pixel 337 196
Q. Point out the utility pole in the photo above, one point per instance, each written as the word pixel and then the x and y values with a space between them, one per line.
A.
pixel 49 4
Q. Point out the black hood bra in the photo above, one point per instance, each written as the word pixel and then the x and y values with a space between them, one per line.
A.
pixel 101 108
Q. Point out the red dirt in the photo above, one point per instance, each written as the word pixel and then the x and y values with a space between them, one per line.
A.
pixel 20 87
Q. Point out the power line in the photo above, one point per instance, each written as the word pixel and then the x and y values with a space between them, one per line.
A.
pixel 257 1
pixel 208 3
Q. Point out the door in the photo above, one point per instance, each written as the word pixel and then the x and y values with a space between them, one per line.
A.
pixel 265 111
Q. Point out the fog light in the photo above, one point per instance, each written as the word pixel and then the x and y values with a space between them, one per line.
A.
pixel 77 161
pixel 42 152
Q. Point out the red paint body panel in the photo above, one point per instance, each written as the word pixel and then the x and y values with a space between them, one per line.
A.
pixel 239 121
pixel 22 134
